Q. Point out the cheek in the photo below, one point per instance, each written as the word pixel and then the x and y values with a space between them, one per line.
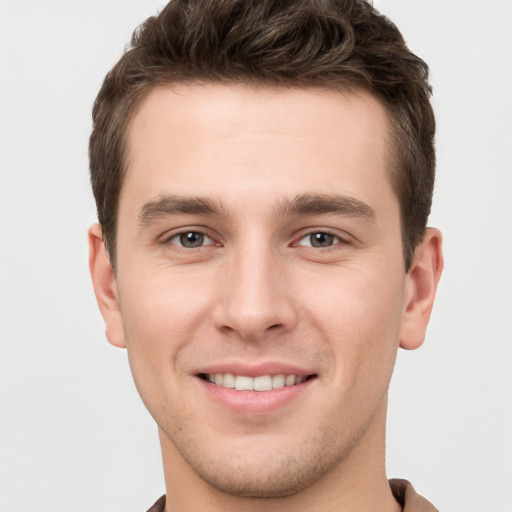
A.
pixel 162 306
pixel 355 300
pixel 360 316
pixel 160 317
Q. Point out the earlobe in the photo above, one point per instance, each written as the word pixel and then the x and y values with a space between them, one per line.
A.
pixel 423 278
pixel 105 287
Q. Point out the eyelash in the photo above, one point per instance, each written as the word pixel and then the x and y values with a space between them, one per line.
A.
pixel 168 239
pixel 337 239
pixel 204 234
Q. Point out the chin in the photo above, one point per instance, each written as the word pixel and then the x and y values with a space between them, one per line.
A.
pixel 267 474
pixel 258 483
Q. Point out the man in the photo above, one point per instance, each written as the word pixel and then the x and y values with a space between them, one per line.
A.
pixel 263 173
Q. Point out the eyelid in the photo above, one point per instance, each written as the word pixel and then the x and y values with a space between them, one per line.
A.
pixel 201 230
pixel 206 240
pixel 343 238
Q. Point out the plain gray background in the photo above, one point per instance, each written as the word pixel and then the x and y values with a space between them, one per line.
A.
pixel 74 435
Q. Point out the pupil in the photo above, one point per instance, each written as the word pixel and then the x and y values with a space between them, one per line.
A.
pixel 322 239
pixel 191 239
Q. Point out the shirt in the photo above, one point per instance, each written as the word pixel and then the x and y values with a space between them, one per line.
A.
pixel 406 496
pixel 402 490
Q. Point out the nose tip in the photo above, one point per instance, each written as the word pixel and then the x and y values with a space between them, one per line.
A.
pixel 253 301
pixel 252 325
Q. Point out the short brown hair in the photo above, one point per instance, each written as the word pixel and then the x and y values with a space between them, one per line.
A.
pixel 342 44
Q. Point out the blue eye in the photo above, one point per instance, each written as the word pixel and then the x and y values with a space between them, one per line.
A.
pixel 191 240
pixel 319 239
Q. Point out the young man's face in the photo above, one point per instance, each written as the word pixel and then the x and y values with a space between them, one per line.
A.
pixel 259 245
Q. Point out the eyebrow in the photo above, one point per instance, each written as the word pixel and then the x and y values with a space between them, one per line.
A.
pixel 178 205
pixel 307 204
pixel 304 204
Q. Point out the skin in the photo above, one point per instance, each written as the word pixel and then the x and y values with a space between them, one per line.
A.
pixel 256 294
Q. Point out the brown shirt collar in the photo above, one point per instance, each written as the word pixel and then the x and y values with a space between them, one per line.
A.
pixel 159 505
pixel 410 500
pixel 402 490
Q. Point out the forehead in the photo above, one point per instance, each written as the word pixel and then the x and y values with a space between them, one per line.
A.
pixel 252 143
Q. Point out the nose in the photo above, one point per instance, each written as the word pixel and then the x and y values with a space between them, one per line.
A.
pixel 254 300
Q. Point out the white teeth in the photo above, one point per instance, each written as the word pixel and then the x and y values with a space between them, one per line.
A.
pixel 229 381
pixel 289 380
pixel 278 381
pixel 243 383
pixel 260 383
pixel 263 383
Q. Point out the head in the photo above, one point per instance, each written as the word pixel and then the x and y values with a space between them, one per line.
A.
pixel 263 173
pixel 342 45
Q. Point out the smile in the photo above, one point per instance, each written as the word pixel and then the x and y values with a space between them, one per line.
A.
pixel 259 383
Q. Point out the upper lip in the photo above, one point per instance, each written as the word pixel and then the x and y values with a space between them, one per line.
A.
pixel 255 370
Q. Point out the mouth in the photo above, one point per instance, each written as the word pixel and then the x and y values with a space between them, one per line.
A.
pixel 258 383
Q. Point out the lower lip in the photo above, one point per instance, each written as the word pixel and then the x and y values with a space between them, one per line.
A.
pixel 255 402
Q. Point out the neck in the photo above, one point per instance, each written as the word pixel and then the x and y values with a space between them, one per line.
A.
pixel 357 483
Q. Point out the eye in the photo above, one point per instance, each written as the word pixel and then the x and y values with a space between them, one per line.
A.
pixel 191 240
pixel 319 239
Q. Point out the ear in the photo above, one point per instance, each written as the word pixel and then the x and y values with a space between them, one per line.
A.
pixel 422 280
pixel 105 287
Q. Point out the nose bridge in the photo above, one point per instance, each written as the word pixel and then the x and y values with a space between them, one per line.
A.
pixel 253 300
